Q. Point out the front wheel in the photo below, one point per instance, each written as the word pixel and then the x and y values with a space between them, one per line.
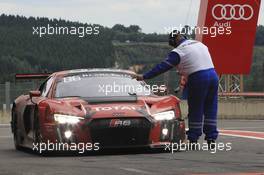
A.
pixel 37 138
pixel 36 130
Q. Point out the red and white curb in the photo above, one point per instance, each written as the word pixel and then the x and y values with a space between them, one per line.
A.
pixel 234 174
pixel 243 134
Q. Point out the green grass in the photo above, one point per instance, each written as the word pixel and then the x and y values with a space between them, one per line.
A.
pixel 4 117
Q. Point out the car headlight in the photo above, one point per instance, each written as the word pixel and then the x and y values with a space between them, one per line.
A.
pixel 168 115
pixel 63 119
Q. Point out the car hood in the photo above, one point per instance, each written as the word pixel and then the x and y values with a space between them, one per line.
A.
pixel 107 107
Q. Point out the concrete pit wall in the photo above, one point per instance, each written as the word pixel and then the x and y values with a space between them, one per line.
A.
pixel 236 109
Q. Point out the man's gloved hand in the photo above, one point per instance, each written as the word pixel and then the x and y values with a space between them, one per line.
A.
pixel 183 82
pixel 138 77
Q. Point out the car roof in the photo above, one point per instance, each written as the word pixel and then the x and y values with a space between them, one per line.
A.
pixel 93 70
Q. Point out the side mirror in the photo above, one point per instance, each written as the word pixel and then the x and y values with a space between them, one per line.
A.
pixel 34 94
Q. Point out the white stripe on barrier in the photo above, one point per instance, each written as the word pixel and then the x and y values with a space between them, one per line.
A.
pixel 5 124
pixel 5 136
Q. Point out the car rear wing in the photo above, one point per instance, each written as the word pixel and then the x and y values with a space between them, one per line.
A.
pixel 32 76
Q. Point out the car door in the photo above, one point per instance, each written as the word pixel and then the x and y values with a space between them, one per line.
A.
pixel 31 106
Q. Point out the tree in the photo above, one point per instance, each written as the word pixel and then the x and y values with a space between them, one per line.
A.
pixel 134 29
pixel 260 35
pixel 119 28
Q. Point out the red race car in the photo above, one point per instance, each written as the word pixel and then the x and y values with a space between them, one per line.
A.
pixel 101 108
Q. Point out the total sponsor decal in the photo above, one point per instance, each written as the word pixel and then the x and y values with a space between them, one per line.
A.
pixel 116 108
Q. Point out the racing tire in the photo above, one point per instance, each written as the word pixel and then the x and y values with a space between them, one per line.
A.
pixel 36 131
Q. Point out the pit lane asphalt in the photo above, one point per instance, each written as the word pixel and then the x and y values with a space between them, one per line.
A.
pixel 246 156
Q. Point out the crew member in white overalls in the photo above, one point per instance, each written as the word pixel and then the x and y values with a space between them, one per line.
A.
pixel 193 61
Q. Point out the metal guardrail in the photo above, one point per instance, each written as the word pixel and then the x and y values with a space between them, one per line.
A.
pixel 10 91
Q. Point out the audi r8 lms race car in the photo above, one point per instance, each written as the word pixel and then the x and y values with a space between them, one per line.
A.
pixel 103 107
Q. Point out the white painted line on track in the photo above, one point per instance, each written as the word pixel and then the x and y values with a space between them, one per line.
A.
pixel 238 135
pixel 242 131
pixel 239 120
pixel 136 170
pixel 248 137
pixel 243 134
pixel 232 128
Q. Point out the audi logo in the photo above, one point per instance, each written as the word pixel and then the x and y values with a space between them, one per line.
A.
pixel 232 12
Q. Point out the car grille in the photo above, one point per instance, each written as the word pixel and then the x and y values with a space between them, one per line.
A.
pixel 117 132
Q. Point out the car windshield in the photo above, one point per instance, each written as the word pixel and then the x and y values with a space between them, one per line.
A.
pixel 100 85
